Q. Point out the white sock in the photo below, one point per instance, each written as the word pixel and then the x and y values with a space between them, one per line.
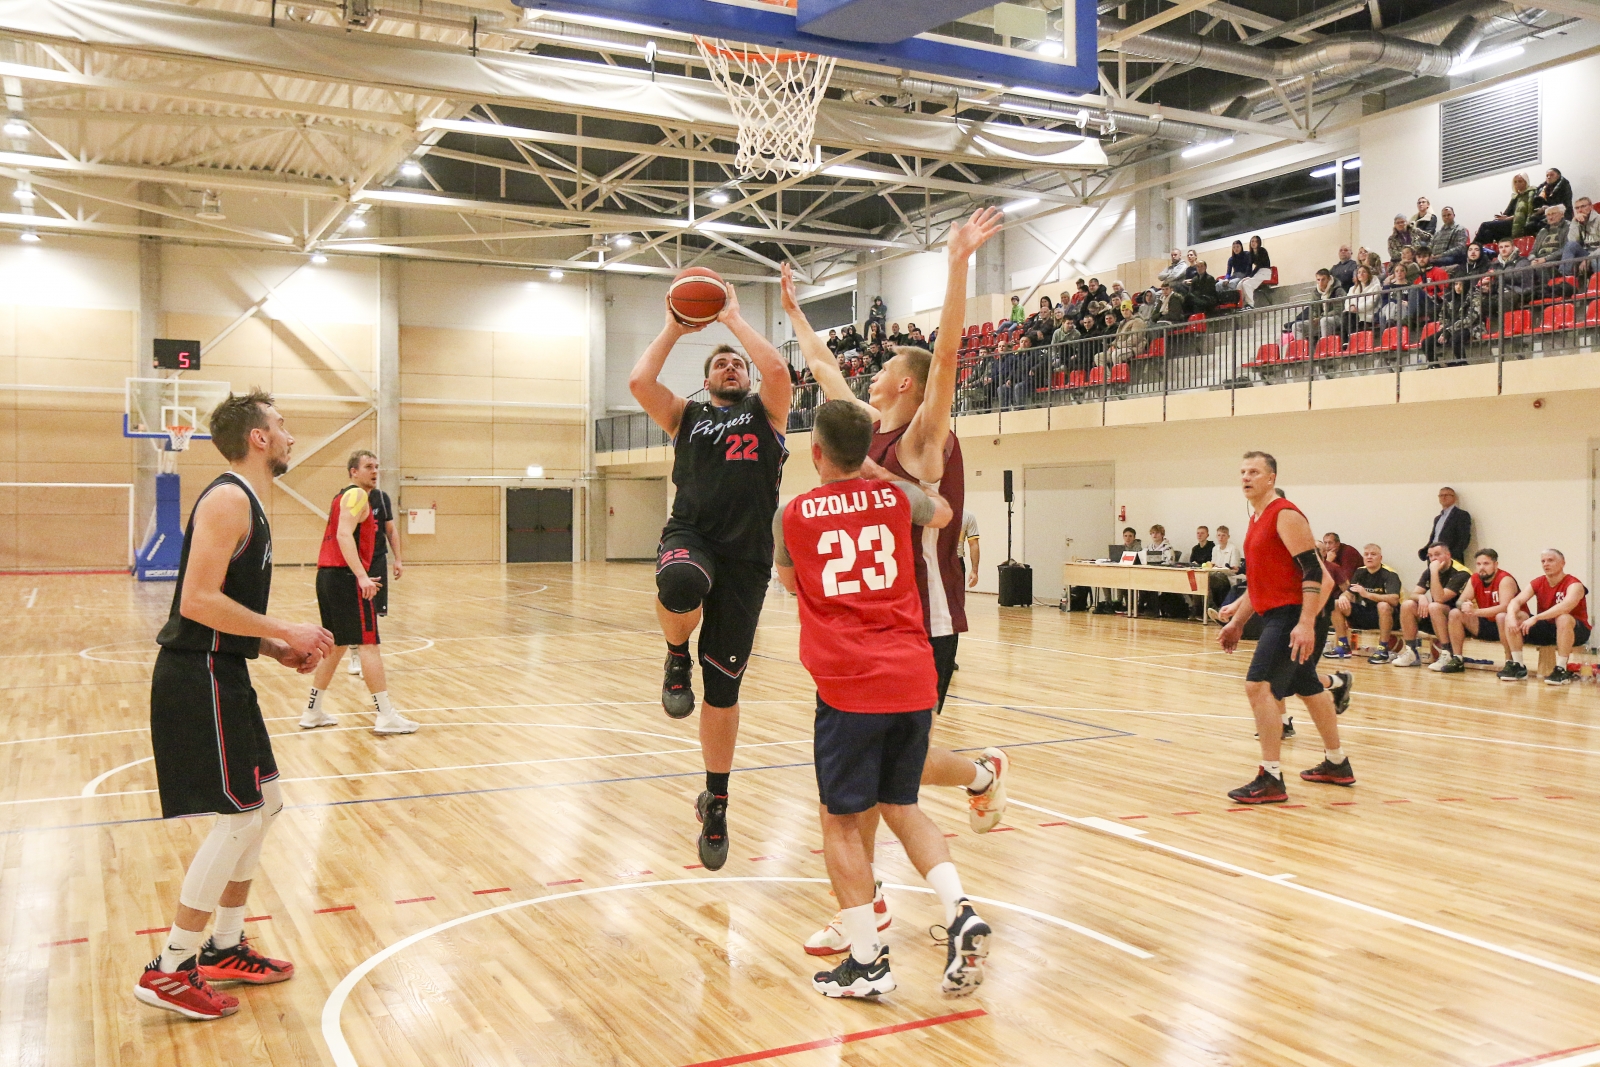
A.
pixel 1287 716
pixel 1334 755
pixel 1516 657
pixel 1273 767
pixel 983 780
pixel 861 927
pixel 229 928
pixel 381 702
pixel 1334 681
pixel 1561 661
pixel 947 883
pixel 181 944
pixel 316 701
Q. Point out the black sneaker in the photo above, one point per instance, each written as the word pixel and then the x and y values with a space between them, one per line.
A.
pixel 1331 773
pixel 1513 672
pixel 1288 728
pixel 1450 664
pixel 1380 655
pixel 852 979
pixel 1559 676
pixel 1341 695
pixel 1264 790
pixel 712 811
pixel 966 947
pixel 677 686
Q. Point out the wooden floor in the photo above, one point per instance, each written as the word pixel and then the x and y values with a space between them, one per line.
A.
pixel 511 885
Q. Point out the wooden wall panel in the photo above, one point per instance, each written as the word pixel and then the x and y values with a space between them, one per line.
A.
pixel 467 524
pixel 74 333
pixel 430 350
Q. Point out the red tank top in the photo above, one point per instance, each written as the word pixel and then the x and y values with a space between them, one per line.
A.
pixel 944 603
pixel 1488 596
pixel 861 629
pixel 1272 576
pixel 365 533
pixel 1546 595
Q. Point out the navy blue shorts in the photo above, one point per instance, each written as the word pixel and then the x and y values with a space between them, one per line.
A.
pixel 1273 661
pixel 864 760
pixel 1488 630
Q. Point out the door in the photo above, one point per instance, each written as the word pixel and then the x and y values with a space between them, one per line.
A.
pixel 636 509
pixel 1066 514
pixel 538 525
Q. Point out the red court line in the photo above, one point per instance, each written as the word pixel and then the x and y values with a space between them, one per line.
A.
pixel 999 829
pixel 415 900
pixel 686 866
pixel 152 930
pixel 1558 798
pixel 256 918
pixel 69 941
pixel 1239 809
pixel 1397 801
pixel 1286 807
pixel 1186 813
pixel 1133 816
pixel 567 881
pixel 1505 798
pixel 1055 824
pixel 829 1042
pixel 330 911
pixel 627 874
pixel 1343 804
pixel 485 892
pixel 760 859
pixel 816 852
pixel 1547 1056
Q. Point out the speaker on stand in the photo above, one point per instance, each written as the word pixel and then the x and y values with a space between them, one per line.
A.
pixel 1016 579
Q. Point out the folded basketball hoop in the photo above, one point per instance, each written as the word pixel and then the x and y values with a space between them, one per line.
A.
pixel 774 94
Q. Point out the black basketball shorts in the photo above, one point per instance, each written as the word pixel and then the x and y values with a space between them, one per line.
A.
pixel 211 748
pixel 731 610
pixel 1364 614
pixel 1543 633
pixel 863 760
pixel 1488 630
pixel 379 572
pixel 350 617
pixel 1273 661
pixel 944 663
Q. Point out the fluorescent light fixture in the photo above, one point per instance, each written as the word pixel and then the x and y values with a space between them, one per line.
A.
pixel 1353 164
pixel 1209 146
pixel 411 169
pixel 1325 172
pixel 535 471
pixel 355 222
pixel 1020 205
pixel 719 198
pixel 1486 59
pixel 30 237
pixel 15 127
pixel 24 195
pixel 623 241
pixel 557 275
pixel 318 258
pixel 846 170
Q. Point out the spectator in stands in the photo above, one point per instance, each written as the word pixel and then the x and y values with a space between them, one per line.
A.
pixel 1422 301
pixel 1175 271
pixel 1463 314
pixel 1098 293
pixel 1404 235
pixel 1125 337
pixel 1169 305
pixel 916 339
pixel 1550 243
pixel 896 335
pixel 1239 268
pixel 1449 244
pixel 833 341
pixel 1371 260
pixel 1480 611
pixel 849 339
pixel 1560 617
pixel 1018 312
pixel 1324 314
pixel 1335 551
pixel 1012 373
pixel 874 333
pixel 1079 297
pixel 1555 190
pixel 1260 271
pixel 877 313
pixel 1513 221
pixel 1344 271
pixel 1361 305
pixel 1369 602
pixel 1066 330
pixel 1452 527
pixel 978 389
pixel 1428 609
pixel 1424 220
pixel 1476 262
pixel 1202 290
pixel 1203 547
pixel 1191 260
pixel 1585 244
pixel 1514 285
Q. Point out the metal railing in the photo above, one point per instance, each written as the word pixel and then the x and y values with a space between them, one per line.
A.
pixel 1516 314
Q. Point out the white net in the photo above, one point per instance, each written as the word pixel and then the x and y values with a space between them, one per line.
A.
pixel 774 95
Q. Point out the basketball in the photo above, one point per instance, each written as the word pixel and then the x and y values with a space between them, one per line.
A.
pixel 697 296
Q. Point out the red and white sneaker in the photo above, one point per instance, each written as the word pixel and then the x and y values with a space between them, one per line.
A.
pixel 241 963
pixel 183 991
pixel 832 940
pixel 986 808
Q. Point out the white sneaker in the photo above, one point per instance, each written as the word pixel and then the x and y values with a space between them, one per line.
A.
pixel 1406 658
pixel 986 808
pixel 313 719
pixel 832 940
pixel 1441 663
pixel 355 664
pixel 395 724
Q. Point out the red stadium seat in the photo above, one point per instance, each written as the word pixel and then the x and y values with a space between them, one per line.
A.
pixel 1518 322
pixel 1360 343
pixel 1593 316
pixel 1524 245
pixel 1297 351
pixel 1097 376
pixel 1157 349
pixel 1329 348
pixel 1557 317
pixel 1119 373
pixel 1394 339
pixel 1594 285
pixel 1075 380
pixel 1265 355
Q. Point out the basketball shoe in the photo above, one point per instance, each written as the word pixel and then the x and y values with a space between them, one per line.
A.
pixel 1331 773
pixel 852 979
pixel 241 963
pixel 712 811
pixel 183 991
pixel 1341 695
pixel 677 686
pixel 985 809
pixel 832 940
pixel 1266 789
pixel 394 723
pixel 966 948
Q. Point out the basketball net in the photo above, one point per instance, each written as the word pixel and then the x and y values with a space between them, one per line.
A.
pixel 774 95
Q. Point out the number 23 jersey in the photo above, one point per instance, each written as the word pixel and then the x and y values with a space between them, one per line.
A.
pixel 727 464
pixel 861 632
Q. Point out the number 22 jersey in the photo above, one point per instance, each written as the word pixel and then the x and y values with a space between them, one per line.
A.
pixel 727 464
pixel 861 631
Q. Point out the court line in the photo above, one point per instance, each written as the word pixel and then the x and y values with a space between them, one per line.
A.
pixel 1587 1055
pixel 1334 898
pixel 333 1032
pixel 94 783
pixel 427 643
pixel 840 1039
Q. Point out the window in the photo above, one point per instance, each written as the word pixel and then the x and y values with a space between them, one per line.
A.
pixel 1489 132
pixel 1301 194
pixel 829 312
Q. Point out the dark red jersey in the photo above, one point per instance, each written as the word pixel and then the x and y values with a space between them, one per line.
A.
pixel 1547 596
pixel 861 622
pixel 355 500
pixel 1487 594
pixel 1272 576
pixel 944 601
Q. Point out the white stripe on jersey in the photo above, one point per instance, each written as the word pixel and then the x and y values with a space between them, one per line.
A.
pixel 940 624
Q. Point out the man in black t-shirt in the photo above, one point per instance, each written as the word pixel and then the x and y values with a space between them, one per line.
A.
pixel 714 562
pixel 1370 602
pixel 1428 610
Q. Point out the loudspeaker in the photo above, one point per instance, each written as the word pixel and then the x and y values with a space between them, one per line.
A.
pixel 1008 487
pixel 1016 585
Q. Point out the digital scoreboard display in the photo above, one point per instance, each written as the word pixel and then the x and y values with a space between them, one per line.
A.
pixel 177 355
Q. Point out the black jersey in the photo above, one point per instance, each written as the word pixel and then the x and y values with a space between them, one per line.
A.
pixel 727 465
pixel 383 513
pixel 249 581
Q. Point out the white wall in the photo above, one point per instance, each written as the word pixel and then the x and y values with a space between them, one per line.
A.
pixel 70 272
pixel 636 509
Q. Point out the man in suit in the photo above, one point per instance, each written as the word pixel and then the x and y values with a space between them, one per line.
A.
pixel 1452 527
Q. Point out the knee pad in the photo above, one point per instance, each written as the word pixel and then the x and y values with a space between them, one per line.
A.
pixel 272 803
pixel 682 586
pixel 213 865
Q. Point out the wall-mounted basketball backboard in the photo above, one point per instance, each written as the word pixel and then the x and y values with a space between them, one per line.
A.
pixel 1049 44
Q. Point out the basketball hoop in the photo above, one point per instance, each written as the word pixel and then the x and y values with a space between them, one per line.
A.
pixel 178 438
pixel 774 94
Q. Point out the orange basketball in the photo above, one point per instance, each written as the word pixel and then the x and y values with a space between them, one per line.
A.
pixel 697 296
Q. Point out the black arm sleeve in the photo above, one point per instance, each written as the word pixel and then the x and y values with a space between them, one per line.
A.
pixel 1310 565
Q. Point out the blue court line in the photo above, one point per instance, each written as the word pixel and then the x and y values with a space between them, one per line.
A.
pixel 516 788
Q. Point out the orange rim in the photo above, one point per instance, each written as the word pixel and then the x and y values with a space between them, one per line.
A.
pixel 717 46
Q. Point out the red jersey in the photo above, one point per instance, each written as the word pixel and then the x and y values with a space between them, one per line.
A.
pixel 944 603
pixel 1487 594
pixel 861 622
pixel 354 499
pixel 1547 596
pixel 1272 577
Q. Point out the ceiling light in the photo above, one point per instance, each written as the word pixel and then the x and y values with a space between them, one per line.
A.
pixel 1019 205
pixel 1325 172
pixel 1209 146
pixel 16 127
pixel 623 241
pixel 718 198
pixel 318 258
pixel 1353 164
pixel 210 206
pixel 30 237
pixel 24 195
pixel 535 471
pixel 557 275
pixel 355 222
pixel 1486 59
pixel 411 169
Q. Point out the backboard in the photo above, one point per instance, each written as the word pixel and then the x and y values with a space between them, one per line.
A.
pixel 158 406
pixel 1048 44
